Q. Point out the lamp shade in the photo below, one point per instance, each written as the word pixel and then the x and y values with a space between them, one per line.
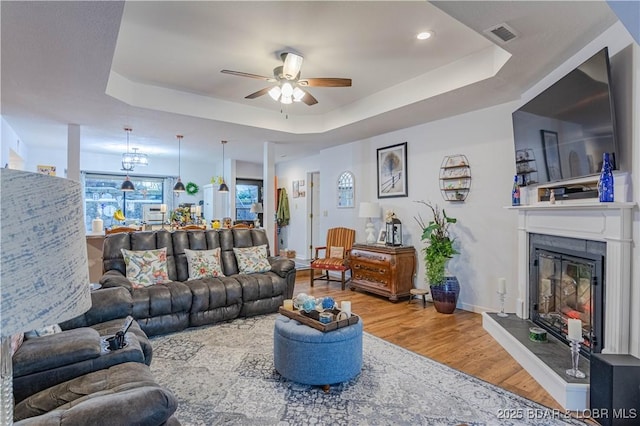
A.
pixel 179 186
pixel 44 269
pixel 369 210
pixel 256 208
pixel 127 185
pixel 223 187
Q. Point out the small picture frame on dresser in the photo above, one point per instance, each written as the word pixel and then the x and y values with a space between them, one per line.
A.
pixel 382 237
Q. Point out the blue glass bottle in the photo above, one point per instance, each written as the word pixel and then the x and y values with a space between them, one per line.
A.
pixel 605 184
pixel 515 192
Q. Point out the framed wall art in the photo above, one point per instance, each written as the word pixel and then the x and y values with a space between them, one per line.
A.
pixel 551 154
pixel 392 171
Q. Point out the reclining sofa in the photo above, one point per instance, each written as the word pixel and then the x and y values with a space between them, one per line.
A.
pixel 181 302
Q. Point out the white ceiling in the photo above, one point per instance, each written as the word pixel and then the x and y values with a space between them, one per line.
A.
pixel 155 66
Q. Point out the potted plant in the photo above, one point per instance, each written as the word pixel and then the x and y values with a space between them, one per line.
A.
pixel 439 250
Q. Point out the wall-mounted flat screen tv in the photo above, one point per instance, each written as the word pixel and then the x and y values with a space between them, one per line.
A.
pixel 564 131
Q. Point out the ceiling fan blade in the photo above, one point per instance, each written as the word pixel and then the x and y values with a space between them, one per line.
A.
pixel 258 93
pixel 309 99
pixel 325 82
pixel 246 74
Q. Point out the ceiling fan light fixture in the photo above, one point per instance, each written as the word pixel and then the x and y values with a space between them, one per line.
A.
pixel 286 100
pixel 292 65
pixel 275 93
pixel 287 90
pixel 298 94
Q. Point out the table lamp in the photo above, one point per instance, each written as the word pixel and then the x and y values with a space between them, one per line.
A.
pixel 369 210
pixel 44 271
pixel 257 209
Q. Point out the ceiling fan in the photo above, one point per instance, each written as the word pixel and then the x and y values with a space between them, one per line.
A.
pixel 289 86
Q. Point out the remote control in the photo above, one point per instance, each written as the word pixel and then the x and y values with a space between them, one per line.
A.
pixel 127 323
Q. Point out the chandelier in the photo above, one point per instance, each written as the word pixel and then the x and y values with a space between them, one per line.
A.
pixel 132 159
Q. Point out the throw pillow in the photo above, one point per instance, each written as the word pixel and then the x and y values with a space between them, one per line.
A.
pixel 336 252
pixel 252 259
pixel 146 267
pixel 204 263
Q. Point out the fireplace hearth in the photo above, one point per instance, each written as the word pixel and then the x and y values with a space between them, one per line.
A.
pixel 567 282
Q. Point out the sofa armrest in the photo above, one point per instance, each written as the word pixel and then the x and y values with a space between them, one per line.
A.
pixel 114 278
pixel 282 267
pixel 56 350
pixel 106 304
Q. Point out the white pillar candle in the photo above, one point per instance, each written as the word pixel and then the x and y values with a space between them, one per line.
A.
pixel 502 285
pixel 288 304
pixel 198 210
pixel 574 329
pixel 163 208
pixel 345 306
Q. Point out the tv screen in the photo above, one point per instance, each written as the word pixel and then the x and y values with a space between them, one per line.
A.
pixel 564 131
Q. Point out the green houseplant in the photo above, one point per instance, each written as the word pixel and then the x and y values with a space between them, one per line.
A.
pixel 437 252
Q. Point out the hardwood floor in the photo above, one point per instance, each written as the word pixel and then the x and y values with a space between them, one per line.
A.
pixel 457 340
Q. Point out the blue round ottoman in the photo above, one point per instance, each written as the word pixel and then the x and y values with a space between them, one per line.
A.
pixel 309 356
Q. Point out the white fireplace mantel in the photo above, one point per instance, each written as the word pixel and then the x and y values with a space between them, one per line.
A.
pixel 607 222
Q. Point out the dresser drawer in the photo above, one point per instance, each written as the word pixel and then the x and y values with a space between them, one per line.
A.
pixel 375 272
pixel 382 259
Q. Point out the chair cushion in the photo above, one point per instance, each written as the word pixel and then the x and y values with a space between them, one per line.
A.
pixel 204 263
pixel 146 267
pixel 330 263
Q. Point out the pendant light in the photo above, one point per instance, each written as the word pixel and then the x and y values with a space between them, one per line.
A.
pixel 127 185
pixel 223 186
pixel 179 186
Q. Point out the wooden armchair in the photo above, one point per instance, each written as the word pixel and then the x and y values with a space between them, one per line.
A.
pixel 336 255
pixel 118 229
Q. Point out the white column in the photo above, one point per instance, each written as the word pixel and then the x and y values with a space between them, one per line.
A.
pixel 268 195
pixel 73 152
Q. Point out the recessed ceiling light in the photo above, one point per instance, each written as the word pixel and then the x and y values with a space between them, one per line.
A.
pixel 424 35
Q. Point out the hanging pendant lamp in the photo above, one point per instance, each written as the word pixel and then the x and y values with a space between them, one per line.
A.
pixel 179 186
pixel 223 186
pixel 127 185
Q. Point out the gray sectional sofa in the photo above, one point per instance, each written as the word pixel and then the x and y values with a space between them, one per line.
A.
pixel 181 302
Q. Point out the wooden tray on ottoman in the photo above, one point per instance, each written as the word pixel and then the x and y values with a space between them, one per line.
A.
pixel 312 319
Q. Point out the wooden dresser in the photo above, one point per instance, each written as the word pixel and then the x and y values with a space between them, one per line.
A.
pixel 384 270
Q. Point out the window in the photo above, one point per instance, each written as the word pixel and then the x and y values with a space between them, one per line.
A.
pixel 248 192
pixel 102 196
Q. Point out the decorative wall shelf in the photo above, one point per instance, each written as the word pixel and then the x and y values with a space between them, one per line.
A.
pixel 455 177
pixel 526 167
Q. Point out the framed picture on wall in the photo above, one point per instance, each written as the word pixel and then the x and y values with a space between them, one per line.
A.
pixel 296 189
pixel 392 171
pixel 551 154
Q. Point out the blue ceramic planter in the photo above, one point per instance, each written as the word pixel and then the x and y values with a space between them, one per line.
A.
pixel 445 296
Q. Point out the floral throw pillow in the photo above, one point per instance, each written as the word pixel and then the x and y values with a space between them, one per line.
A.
pixel 146 267
pixel 204 263
pixel 252 260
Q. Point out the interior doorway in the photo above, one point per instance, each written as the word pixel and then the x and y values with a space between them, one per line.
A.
pixel 313 224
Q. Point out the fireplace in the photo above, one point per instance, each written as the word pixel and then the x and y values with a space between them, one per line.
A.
pixel 566 279
pixel 596 227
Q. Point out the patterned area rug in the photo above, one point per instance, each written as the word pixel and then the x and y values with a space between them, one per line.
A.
pixel 224 374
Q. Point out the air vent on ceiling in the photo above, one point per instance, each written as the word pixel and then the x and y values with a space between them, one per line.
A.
pixel 501 33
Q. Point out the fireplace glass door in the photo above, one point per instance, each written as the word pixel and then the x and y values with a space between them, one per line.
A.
pixel 565 289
